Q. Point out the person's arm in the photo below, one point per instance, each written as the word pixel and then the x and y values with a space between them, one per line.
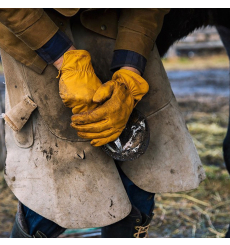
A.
pixel 128 60
pixel 131 69
pixel 53 51
pixel 117 63
pixel 78 82
pixel 138 29
pixel 35 28
pixel 137 32
pixel 32 25
pixel 58 63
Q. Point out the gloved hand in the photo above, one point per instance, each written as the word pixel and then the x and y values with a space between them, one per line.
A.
pixel 120 95
pixel 78 81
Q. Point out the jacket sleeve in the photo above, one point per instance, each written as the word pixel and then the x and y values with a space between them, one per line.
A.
pixel 138 29
pixel 33 26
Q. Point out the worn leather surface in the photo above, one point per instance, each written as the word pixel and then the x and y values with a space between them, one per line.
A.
pixel 168 169
pixel 71 183
pixel 77 185
pixel 17 90
pixel 171 162
pixel 18 116
pixel 44 91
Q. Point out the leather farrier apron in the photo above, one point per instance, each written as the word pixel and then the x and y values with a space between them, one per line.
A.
pixel 61 176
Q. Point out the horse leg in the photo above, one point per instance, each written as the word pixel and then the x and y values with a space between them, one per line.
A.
pixel 225 37
pixel 224 33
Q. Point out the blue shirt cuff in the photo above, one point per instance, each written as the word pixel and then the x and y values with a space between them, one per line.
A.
pixel 128 58
pixel 55 47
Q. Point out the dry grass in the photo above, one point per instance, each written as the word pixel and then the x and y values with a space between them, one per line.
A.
pixel 204 212
pixel 196 63
pixel 207 123
pixel 8 206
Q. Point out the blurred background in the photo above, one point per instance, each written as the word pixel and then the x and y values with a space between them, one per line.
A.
pixel 198 69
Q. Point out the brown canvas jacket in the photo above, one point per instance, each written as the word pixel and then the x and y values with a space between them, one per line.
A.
pixel 22 31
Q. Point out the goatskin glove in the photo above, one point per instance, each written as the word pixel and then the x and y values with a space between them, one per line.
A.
pixel 78 81
pixel 119 96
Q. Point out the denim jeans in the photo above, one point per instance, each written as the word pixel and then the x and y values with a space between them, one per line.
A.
pixel 139 198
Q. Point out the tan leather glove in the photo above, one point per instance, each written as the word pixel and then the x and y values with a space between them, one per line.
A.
pixel 78 81
pixel 120 95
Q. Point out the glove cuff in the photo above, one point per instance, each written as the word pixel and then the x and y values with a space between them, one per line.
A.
pixel 76 60
pixel 135 83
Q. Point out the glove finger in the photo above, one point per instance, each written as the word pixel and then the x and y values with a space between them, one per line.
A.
pixel 97 115
pixel 83 108
pixel 104 92
pixel 78 108
pixel 104 134
pixel 103 141
pixel 92 127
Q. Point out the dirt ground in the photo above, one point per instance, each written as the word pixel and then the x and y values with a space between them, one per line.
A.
pixel 204 212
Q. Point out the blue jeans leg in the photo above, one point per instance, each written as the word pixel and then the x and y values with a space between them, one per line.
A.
pixel 36 222
pixel 139 198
